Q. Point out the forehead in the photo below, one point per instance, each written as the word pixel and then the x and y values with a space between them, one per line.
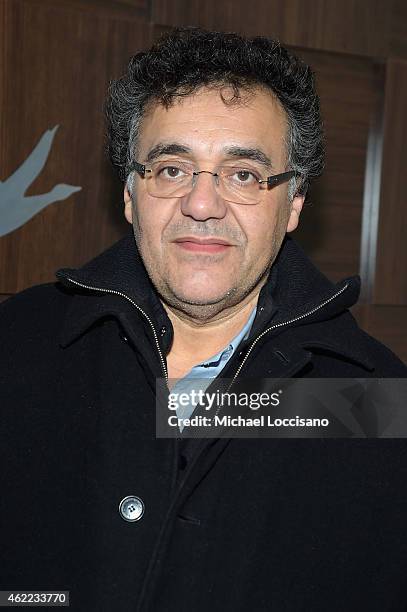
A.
pixel 204 123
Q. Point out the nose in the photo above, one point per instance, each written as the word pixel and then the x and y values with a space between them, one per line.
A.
pixel 203 202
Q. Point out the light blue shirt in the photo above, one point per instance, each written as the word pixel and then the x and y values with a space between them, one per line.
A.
pixel 200 376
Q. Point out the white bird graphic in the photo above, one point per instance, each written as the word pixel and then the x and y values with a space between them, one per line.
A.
pixel 15 208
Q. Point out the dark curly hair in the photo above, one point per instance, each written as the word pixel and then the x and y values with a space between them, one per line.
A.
pixel 187 59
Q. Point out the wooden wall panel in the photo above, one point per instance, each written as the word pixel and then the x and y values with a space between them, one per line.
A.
pixel 114 8
pixel 390 285
pixel 330 229
pixel 351 26
pixel 57 62
pixel 397 46
pixel 140 4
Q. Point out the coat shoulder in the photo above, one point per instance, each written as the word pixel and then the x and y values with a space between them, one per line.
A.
pixel 34 298
pixel 380 359
pixel 343 349
pixel 33 314
pixel 387 364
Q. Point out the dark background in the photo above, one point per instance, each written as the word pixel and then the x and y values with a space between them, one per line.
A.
pixel 56 60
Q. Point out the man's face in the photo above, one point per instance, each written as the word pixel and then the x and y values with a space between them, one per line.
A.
pixel 205 254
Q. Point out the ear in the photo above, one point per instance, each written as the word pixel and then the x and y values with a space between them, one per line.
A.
pixel 296 208
pixel 128 202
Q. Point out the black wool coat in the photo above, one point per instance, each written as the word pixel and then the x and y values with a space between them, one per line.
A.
pixel 288 525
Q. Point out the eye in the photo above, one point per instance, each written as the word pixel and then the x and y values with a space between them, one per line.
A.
pixel 170 172
pixel 243 176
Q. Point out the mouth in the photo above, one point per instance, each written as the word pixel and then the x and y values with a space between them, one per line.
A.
pixel 203 245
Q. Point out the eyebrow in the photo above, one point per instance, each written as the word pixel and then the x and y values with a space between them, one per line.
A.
pixel 161 148
pixel 250 153
pixel 175 148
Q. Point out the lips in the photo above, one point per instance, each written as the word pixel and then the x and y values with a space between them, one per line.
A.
pixel 204 245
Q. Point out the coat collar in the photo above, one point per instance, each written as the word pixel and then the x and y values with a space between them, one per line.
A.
pixel 295 292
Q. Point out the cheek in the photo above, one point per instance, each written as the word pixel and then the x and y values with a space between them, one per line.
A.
pixel 259 225
pixel 151 219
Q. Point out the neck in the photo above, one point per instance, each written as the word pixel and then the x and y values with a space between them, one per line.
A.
pixel 196 341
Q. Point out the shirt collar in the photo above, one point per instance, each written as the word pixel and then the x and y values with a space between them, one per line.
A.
pixel 222 357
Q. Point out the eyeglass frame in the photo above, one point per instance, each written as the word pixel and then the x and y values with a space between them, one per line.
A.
pixel 271 180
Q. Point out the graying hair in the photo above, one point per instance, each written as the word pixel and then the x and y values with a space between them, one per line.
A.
pixel 187 59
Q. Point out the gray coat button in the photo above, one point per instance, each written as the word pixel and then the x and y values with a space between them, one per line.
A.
pixel 131 508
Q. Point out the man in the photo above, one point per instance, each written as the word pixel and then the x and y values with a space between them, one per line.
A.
pixel 216 138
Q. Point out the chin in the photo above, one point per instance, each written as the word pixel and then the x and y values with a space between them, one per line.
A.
pixel 198 297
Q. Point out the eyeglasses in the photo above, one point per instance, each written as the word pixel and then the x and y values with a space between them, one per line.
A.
pixel 237 184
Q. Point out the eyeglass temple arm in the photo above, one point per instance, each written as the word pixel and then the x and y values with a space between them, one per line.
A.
pixel 140 168
pixel 280 178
